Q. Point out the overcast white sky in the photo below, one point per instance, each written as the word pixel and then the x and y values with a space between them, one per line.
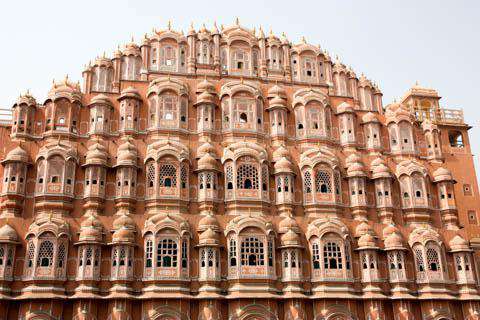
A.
pixel 394 43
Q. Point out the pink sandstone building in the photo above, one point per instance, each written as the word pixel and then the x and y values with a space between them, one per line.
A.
pixel 229 174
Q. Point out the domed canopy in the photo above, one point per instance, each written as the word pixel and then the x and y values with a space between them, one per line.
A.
pixel 100 99
pixel 18 154
pixel 277 91
pixel 283 166
pixel 123 236
pixel 380 169
pixel 442 174
pixel 205 87
pixel 129 93
pixel 90 230
pixel 131 49
pixel 396 112
pixel 369 117
pixel 127 154
pixel 207 163
pixel 208 238
pixel 288 223
pixel 363 228
pixel 355 167
pixel 290 239
pixel 208 222
pixel 458 244
pixel 8 234
pixel 96 155
pixel 345 108
pixel 367 241
pixel 280 152
pixel 123 221
pixel 65 89
pixel 25 99
pixel 394 241
pixel 206 147
pixel 205 98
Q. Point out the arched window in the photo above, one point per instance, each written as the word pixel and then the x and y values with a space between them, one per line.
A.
pixel 232 253
pixel 167 253
pixel 323 183
pixel 247 177
pixel 252 252
pixel 332 256
pixel 316 256
pixel 150 175
pixel 45 254
pixel 455 138
pixel 307 182
pixel 168 176
pixel 149 254
pixel 433 260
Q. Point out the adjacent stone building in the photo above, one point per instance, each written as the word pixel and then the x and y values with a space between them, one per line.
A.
pixel 229 174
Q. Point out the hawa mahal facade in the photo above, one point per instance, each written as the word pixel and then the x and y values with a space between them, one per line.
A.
pixel 229 174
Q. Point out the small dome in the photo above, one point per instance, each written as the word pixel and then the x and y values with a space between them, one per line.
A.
pixel 458 244
pixel 366 241
pixel 123 235
pixel 283 166
pixel 345 108
pixel 205 148
pixel 352 158
pixel 26 99
pixel 18 154
pixel 91 221
pixel 90 234
pixel 288 223
pixel 205 98
pixel 393 241
pixel 277 91
pixel 123 221
pixel 131 49
pixel 208 222
pixel 131 93
pixel 369 117
pixel 363 228
pixel 127 154
pixel 356 169
pixel 442 174
pixel 290 238
pixel 205 86
pixel 65 89
pixel 8 234
pixel 280 152
pixel 277 102
pixel 207 162
pixel 208 237
pixel 96 155
pixel 100 99
pixel 380 171
pixel 389 229
pixel 102 61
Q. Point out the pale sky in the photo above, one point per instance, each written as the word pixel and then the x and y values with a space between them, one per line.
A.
pixel 395 43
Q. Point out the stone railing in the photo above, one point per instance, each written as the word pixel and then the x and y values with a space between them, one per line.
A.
pixel 5 116
pixel 440 116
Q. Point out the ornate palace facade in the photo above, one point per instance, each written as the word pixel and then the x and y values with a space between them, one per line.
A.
pixel 227 174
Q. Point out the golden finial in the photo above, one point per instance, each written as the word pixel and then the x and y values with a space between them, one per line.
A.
pixel 132 40
pixel 66 79
pixel 271 32
pixel 191 26
pixel 254 31
pixel 416 83
pixel 304 41
pixel 145 36
pixel 221 27
pixel 169 25
pixel 154 30
pixel 104 54
pixel 237 21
